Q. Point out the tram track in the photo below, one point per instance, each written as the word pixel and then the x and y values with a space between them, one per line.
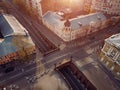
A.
pixel 41 42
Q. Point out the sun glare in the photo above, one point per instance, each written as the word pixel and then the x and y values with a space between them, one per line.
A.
pixel 71 2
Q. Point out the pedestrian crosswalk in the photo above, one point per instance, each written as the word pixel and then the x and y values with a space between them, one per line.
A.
pixel 76 43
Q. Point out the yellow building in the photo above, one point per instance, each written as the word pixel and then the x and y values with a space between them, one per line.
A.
pixel 110 54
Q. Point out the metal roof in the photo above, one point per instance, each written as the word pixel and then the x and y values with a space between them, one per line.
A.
pixel 54 19
pixel 6 47
pixel 9 25
pixel 86 20
pixel 114 40
pixel 14 34
pixel 5 27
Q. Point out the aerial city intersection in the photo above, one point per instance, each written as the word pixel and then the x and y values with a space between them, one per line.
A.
pixel 59 45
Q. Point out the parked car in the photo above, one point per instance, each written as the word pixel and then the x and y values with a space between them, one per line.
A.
pixel 9 69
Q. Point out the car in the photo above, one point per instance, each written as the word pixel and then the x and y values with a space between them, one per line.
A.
pixel 9 69
pixel 4 88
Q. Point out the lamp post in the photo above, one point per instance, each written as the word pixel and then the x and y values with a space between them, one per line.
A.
pixel 70 35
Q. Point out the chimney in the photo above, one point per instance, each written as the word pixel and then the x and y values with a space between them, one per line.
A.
pixel 80 24
pixel 98 17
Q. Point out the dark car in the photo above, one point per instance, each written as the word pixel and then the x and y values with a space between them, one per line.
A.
pixel 9 69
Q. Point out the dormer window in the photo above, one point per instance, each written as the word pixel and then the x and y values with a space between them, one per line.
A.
pixel 92 23
pixel 80 24
pixel 99 18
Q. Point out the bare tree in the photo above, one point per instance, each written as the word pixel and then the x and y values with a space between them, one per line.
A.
pixel 20 41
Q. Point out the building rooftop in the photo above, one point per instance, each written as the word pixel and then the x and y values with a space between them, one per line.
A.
pixel 86 20
pixel 9 25
pixel 15 36
pixel 114 40
pixel 55 20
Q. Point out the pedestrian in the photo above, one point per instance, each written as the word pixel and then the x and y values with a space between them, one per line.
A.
pixel 55 65
pixel 22 70
pixel 71 58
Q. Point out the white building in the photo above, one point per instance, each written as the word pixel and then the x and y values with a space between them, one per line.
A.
pixel 107 6
pixel 76 27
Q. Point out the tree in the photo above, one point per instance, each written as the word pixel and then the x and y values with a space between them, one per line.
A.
pixel 20 41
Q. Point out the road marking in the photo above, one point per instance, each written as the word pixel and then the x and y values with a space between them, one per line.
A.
pixel 51 60
pixel 69 53
pixel 10 77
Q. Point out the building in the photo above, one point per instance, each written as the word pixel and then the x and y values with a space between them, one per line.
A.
pixel 74 5
pixel 48 5
pixel 35 7
pixel 3 7
pixel 40 7
pixel 110 54
pixel 15 42
pixel 31 6
pixel 71 29
pixel 61 5
pixel 107 6
pixel 87 5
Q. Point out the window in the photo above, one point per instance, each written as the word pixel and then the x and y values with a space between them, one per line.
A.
pixel 112 68
pixel 118 59
pixel 106 47
pixel 118 73
pixel 113 53
pixel 102 59
pixel 107 63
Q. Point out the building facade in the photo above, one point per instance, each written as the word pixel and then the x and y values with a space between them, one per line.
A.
pixel 31 6
pixel 61 5
pixel 76 27
pixel 15 41
pixel 40 7
pixel 110 54
pixel 107 6
pixel 87 5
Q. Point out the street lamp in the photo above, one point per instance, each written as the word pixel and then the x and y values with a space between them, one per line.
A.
pixel 70 35
pixel 71 58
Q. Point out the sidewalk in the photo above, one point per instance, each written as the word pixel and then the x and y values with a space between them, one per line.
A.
pixel 51 81
pixel 95 74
